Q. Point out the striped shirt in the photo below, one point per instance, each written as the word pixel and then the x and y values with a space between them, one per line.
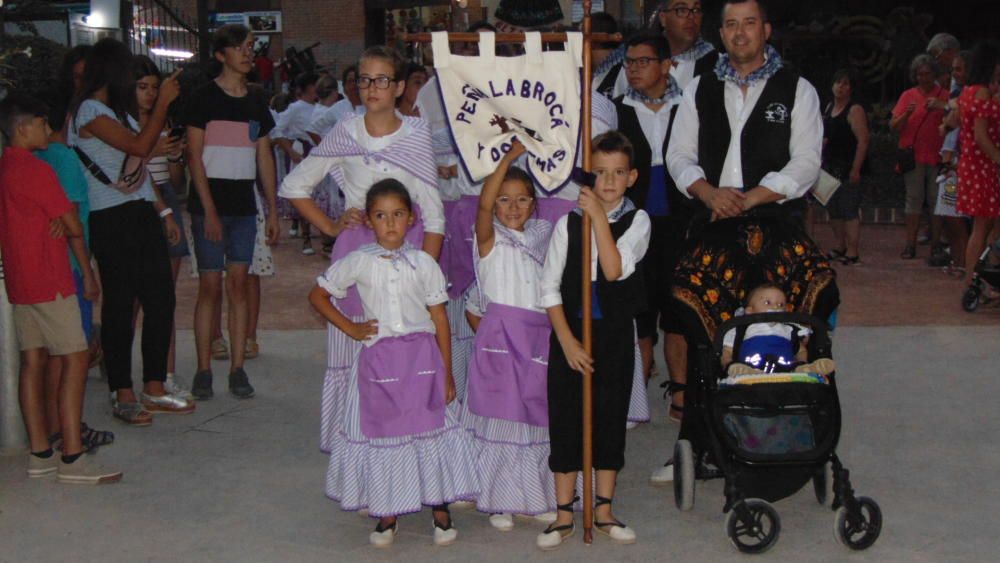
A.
pixel 108 158
pixel 232 127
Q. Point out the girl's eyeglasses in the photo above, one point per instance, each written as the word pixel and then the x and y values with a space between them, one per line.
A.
pixel 380 82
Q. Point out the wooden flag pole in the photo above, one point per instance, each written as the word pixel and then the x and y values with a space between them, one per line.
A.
pixel 588 336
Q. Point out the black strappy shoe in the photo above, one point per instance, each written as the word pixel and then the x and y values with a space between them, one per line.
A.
pixel 553 536
pixel 615 529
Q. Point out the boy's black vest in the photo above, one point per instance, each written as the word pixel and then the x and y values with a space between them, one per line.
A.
pixel 765 136
pixel 628 123
pixel 620 301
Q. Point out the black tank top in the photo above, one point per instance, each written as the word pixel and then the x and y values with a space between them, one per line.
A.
pixel 841 143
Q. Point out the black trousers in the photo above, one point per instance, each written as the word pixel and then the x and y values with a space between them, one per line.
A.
pixel 666 241
pixel 131 252
pixel 614 362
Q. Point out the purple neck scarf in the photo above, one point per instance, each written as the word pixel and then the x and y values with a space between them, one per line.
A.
pixel 412 152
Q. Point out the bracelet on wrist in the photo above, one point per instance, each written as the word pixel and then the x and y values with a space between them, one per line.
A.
pixel 165 212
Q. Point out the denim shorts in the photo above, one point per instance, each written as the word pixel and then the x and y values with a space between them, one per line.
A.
pixel 169 195
pixel 236 247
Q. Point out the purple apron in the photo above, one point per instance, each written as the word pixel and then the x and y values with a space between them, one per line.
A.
pixel 461 271
pixel 509 367
pixel 401 386
pixel 552 208
pixel 357 236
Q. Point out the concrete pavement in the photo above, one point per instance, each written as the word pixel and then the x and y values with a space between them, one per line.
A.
pixel 243 481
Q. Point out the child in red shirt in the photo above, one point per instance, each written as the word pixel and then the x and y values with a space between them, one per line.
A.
pixel 35 218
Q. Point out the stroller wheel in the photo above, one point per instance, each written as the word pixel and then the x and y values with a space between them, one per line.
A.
pixel 860 531
pixel 683 475
pixel 823 484
pixel 757 529
pixel 971 298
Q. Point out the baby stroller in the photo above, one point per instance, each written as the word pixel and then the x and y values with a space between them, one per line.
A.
pixel 768 436
pixel 987 272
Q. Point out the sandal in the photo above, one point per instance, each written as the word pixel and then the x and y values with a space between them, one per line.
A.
pixel 836 254
pixel 93 439
pixel 252 349
pixel 908 253
pixel 850 260
pixel 615 530
pixel 132 414
pixel 220 350
pixel 553 536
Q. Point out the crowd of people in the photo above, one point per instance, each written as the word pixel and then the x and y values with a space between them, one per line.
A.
pixel 454 307
pixel 947 152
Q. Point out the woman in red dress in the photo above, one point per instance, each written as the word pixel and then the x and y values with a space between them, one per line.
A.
pixel 978 169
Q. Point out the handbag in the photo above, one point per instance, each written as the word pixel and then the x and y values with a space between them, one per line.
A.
pixel 826 185
pixel 130 177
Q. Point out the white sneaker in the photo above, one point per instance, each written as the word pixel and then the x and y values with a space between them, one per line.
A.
pixel 444 537
pixel 385 537
pixel 631 425
pixel 175 386
pixel 293 233
pixel 502 522
pixel 462 504
pixel 663 474
pixel 551 539
pixel 546 517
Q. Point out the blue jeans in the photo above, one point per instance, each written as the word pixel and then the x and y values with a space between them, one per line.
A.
pixel 236 246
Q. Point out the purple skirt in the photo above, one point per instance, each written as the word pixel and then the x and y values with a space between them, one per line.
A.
pixel 509 368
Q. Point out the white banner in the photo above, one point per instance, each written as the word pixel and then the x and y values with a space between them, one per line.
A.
pixel 489 100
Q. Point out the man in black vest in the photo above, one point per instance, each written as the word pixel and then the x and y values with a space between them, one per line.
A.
pixel 748 133
pixel 751 132
pixel 645 115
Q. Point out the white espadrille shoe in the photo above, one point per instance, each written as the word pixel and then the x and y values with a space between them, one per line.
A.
pixel 553 536
pixel 614 529
pixel 502 522
pixel 444 534
pixel 383 537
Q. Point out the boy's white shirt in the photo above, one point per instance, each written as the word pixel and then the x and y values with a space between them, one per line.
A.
pixel 632 246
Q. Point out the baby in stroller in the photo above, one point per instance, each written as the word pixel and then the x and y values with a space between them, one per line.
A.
pixel 770 347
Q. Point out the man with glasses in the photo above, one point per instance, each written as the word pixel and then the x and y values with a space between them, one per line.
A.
pixel 645 115
pixel 680 23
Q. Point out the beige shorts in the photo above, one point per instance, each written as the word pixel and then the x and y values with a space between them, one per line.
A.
pixel 54 325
